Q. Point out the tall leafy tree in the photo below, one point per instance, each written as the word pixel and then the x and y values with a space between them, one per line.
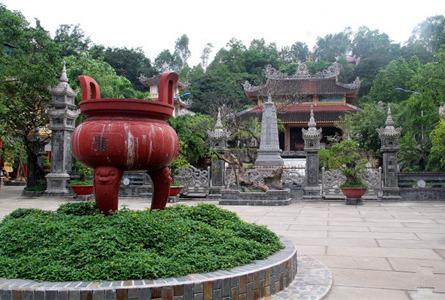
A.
pixel 429 35
pixel 29 64
pixel 394 82
pixel 375 51
pixel 72 39
pixel 131 63
pixel 182 52
pixel 332 46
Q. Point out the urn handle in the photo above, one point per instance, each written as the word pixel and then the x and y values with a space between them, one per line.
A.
pixel 90 88
pixel 167 87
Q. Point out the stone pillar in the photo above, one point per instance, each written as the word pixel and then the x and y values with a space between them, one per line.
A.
pixel 218 137
pixel 312 137
pixel 62 116
pixel 269 151
pixel 389 137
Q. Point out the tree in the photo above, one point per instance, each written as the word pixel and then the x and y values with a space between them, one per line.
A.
pixel 72 39
pixel 375 51
pixel 205 55
pixel 27 70
pixel 182 52
pixel 111 84
pixel 429 80
pixel 393 83
pixel 216 87
pixel 332 46
pixel 192 132
pixel 362 125
pixel 131 63
pixel 296 53
pixel 437 156
pixel 418 115
pixel 166 60
pixel 429 35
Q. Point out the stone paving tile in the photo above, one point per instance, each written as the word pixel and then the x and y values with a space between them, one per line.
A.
pixel 355 293
pixel 414 265
pixel 312 250
pixel 374 235
pixel 431 236
pixel 426 294
pixel 328 228
pixel 370 263
pixel 411 244
pixel 374 279
pixel 404 229
pixel 383 252
pixel 366 242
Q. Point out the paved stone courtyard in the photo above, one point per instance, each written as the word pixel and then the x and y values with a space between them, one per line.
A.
pixel 375 251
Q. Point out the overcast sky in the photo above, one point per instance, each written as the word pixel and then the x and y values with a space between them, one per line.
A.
pixel 155 25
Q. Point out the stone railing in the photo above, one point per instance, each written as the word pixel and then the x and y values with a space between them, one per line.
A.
pixel 422 186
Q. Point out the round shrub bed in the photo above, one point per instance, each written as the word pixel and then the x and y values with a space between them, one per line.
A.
pixel 76 243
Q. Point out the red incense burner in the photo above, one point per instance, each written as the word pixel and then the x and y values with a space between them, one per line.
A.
pixel 126 134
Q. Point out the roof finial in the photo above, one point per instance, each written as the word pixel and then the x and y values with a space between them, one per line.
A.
pixel 312 119
pixel 218 120
pixel 63 77
pixel 389 120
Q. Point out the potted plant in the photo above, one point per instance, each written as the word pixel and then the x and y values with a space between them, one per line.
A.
pixel 346 157
pixel 84 185
pixel 177 184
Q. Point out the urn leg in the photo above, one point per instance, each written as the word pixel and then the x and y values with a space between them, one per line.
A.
pixel 106 188
pixel 161 187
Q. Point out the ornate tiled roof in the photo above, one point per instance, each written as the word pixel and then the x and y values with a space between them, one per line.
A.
pixel 302 83
pixel 300 113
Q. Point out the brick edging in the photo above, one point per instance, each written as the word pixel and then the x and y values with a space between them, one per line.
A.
pixel 259 279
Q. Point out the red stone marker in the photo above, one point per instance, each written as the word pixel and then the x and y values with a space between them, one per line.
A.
pixel 126 134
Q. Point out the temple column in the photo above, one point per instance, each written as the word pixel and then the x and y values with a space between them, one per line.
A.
pixel 312 137
pixel 62 116
pixel 287 138
pixel 389 137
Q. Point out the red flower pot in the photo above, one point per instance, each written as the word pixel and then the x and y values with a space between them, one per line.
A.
pixel 353 194
pixel 126 134
pixel 83 190
pixel 175 190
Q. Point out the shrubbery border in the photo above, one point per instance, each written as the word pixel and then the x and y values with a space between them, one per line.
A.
pixel 253 281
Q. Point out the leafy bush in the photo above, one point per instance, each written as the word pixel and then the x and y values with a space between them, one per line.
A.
pixel 83 208
pixel 77 243
pixel 81 182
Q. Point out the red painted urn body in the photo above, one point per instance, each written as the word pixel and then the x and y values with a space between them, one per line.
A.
pixel 126 134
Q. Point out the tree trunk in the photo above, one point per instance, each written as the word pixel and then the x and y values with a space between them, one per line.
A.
pixel 36 173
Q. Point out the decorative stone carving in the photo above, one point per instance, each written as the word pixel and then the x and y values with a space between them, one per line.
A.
pixel 303 72
pixel 390 137
pixel 62 116
pixel 196 182
pixel 269 151
pixel 312 137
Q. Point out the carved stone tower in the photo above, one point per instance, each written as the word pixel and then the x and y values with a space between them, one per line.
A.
pixel 218 139
pixel 312 137
pixel 389 137
pixel 269 151
pixel 62 116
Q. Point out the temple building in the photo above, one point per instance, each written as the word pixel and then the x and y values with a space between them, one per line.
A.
pixel 294 95
pixel 181 107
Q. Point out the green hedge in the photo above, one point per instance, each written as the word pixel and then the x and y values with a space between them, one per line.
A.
pixel 78 243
